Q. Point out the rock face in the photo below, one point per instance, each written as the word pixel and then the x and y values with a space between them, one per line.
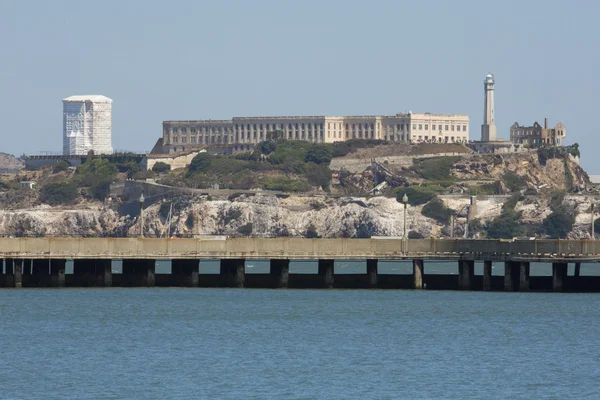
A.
pixel 265 215
pixel 45 221
pixel 10 163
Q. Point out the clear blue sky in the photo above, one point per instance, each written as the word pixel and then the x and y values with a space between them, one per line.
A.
pixel 169 60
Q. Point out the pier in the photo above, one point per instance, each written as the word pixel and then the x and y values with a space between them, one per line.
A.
pixel 41 262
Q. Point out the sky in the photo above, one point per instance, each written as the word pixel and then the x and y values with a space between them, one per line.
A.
pixel 193 59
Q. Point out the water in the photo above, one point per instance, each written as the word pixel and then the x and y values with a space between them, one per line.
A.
pixel 297 344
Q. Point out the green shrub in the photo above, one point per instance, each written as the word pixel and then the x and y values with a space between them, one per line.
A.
pixel 318 175
pixel 290 151
pixel 60 166
pixel 437 210
pixel 319 153
pixel 435 168
pixel 511 203
pixel 557 199
pixel 417 194
pixel 161 167
pixel 311 232
pixel 284 184
pixel 94 170
pixel 200 163
pixel 415 235
pixel 231 215
pixel 505 226
pixel 475 226
pixel 513 181
pixel 245 230
pixel 559 223
pixel 58 193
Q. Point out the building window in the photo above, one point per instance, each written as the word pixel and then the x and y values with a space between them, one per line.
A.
pixel 446 127
pixel 452 127
pixel 420 126
pixel 426 126
pixel 183 130
pixel 464 128
pixel 174 130
pixel 414 126
pixel 193 130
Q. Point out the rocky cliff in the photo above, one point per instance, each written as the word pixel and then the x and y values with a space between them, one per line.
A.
pixel 266 215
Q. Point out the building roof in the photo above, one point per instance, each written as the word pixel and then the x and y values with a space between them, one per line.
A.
pixel 96 98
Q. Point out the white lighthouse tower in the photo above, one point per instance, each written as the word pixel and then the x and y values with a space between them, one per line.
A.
pixel 488 129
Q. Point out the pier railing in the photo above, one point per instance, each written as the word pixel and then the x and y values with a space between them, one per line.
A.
pixel 299 248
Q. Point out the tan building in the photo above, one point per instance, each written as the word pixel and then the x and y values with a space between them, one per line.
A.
pixel 537 134
pixel 244 133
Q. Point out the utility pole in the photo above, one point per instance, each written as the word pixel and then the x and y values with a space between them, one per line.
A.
pixel 142 215
pixel 452 226
pixel 593 234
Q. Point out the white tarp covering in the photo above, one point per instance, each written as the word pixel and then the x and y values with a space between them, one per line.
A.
pixel 87 125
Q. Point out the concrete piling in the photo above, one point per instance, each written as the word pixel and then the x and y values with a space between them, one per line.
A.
pixel 233 272
pixel 57 272
pixel 280 271
pixel 559 275
pixel 326 272
pixel 418 272
pixel 466 271
pixel 185 272
pixel 372 272
pixel 523 276
pixel 9 273
pixel 139 272
pixel 40 273
pixel 18 276
pixel 511 276
pixel 487 275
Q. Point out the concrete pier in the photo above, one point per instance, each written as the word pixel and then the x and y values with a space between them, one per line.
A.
pixel 57 272
pixel 18 273
pixel 466 271
pixel 326 272
pixel 372 272
pixel 233 272
pixel 185 272
pixel 280 272
pixel 138 272
pixel 40 274
pixel 487 275
pixel 418 270
pixel 523 276
pixel 511 276
pixel 559 275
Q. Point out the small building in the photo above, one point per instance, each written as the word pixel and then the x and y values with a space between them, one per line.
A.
pixel 27 184
pixel 536 134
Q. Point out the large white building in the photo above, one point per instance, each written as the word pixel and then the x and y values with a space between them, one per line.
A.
pixel 243 133
pixel 87 125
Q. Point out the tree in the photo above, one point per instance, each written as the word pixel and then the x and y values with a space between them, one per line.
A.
pixel 161 167
pixel 505 226
pixel 437 210
pixel 60 166
pixel 200 163
pixel 319 153
pixel 559 223
pixel 58 193
pixel 245 230
pixel 311 232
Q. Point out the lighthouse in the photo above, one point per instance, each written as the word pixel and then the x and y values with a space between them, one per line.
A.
pixel 488 129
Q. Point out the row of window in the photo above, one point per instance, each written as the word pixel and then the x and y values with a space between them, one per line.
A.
pixel 273 127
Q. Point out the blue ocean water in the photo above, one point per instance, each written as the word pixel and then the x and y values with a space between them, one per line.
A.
pixel 171 343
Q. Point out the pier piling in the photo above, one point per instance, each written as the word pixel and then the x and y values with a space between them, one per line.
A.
pixel 185 272
pixel 57 272
pixel 559 274
pixel 372 272
pixel 466 271
pixel 523 276
pixel 487 275
pixel 280 272
pixel 418 270
pixel 326 272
